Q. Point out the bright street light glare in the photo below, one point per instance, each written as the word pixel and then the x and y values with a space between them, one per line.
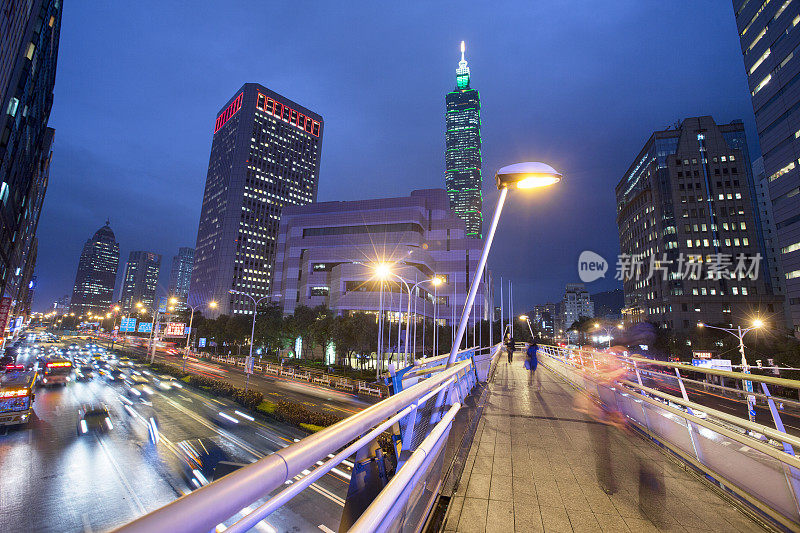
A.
pixel 436 281
pixel 757 323
pixel 382 271
pixel 212 304
pixel 173 300
pixel 523 317
pixel 700 325
pixel 529 175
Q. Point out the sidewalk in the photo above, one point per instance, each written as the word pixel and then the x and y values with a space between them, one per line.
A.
pixel 531 467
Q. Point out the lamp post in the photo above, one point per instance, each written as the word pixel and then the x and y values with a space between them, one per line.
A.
pixel 607 330
pixel 212 304
pixel 526 319
pixel 521 176
pixel 252 333
pixel 435 281
pixel 739 333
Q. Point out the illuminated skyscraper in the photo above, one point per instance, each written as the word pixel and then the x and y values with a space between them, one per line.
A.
pixel 97 273
pixel 463 156
pixel 265 155
pixel 180 276
pixel 141 278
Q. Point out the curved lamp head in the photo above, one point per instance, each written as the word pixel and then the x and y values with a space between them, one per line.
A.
pixel 523 317
pixel 526 176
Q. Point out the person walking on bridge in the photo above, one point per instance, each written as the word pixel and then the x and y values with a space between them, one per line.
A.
pixel 532 363
pixel 510 346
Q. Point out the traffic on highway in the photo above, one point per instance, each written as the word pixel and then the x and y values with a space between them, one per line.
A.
pixel 90 439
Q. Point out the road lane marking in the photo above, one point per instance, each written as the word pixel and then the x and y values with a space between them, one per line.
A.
pixel 325 528
pixel 134 497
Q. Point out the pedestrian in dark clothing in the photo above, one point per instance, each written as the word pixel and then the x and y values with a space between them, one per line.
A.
pixel 510 346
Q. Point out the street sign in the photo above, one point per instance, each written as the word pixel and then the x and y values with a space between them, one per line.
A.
pixel 127 324
pixel 18 323
pixel 162 304
pixel 145 327
pixel 175 329
pixel 201 342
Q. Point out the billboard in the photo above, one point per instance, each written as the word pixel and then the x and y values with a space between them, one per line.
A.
pixel 127 325
pixel 145 327
pixel 175 329
pixel 201 342
pixel 18 323
pixel 5 308
pixel 162 304
pixel 702 355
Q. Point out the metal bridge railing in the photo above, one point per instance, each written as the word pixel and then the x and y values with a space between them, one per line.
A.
pixel 753 461
pixel 419 416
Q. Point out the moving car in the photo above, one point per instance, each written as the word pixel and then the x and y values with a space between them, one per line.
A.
pixel 94 418
pixel 200 459
pixel 138 387
pixel 84 372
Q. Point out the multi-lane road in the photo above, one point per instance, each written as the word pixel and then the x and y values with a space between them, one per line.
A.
pixel 52 479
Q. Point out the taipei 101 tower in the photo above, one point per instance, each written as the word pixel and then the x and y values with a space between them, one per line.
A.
pixel 463 156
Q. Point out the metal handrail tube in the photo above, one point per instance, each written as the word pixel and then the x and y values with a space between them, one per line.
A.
pixel 204 508
pixel 770 380
pixel 740 392
pixel 377 511
pixel 779 455
pixel 428 360
pixel 742 422
pixel 249 521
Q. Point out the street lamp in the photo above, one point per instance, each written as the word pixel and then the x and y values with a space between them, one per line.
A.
pixel 739 333
pixel 252 332
pixel 519 176
pixel 607 330
pixel 526 319
pixel 212 304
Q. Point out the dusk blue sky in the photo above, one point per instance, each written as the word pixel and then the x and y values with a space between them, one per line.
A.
pixel 579 85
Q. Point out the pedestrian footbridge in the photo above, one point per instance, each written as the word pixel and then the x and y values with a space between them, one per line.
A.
pixel 591 442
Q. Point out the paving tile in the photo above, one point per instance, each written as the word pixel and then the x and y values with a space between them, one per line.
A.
pixel 479 485
pixel 501 488
pixel 527 516
pixel 483 464
pixel 583 521
pixel 555 519
pixel 500 516
pixel 473 515
pixel 611 523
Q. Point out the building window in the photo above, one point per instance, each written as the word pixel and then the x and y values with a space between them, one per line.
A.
pixel 319 291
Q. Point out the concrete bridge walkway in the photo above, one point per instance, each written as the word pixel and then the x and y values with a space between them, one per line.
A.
pixel 532 467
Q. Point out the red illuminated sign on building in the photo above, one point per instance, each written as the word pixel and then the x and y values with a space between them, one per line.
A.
pixel 5 308
pixel 229 112
pixel 287 114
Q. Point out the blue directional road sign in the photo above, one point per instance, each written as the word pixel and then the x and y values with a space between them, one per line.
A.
pixel 127 324
pixel 202 342
pixel 145 327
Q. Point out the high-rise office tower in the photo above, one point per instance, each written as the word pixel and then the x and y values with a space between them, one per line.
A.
pixel 97 273
pixel 265 154
pixel 140 280
pixel 180 276
pixel 463 151
pixel 686 213
pixel 29 37
pixel 769 33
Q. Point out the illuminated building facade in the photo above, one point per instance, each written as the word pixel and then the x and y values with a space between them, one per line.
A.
pixel 463 151
pixel 29 38
pixel 327 252
pixel 769 33
pixel 180 276
pixel 140 280
pixel 689 197
pixel 97 273
pixel 265 155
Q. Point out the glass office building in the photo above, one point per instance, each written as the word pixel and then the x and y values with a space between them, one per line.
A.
pixel 769 33
pixel 97 273
pixel 265 155
pixel 463 151
pixel 140 280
